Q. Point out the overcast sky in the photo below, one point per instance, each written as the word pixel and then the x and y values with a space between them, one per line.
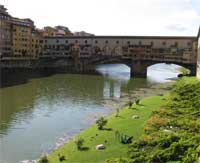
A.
pixel 112 17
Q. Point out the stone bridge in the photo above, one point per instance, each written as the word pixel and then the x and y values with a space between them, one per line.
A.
pixel 82 54
pixel 137 52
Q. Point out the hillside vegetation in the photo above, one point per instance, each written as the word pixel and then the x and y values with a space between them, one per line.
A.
pixel 172 134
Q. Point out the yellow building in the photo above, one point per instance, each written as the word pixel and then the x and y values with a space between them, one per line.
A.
pixel 49 32
pixel 5 33
pixel 22 37
pixel 36 44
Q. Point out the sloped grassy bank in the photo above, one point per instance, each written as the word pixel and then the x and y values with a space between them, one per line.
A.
pixel 167 130
pixel 172 134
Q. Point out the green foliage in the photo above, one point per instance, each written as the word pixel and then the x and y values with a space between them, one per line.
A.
pixel 123 138
pixel 44 159
pixel 186 94
pixel 177 139
pixel 79 143
pixel 61 158
pixel 101 122
pixel 117 112
pixel 137 101
pixel 119 160
pixel 130 103
pixel 184 71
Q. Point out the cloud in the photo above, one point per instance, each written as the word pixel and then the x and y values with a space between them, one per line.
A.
pixel 113 17
pixel 176 27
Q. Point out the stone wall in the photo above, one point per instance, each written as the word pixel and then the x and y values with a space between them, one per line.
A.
pixel 198 60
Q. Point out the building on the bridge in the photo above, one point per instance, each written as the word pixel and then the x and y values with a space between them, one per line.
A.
pixel 138 49
pixel 5 32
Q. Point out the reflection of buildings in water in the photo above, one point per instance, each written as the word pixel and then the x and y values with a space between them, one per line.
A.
pixel 112 89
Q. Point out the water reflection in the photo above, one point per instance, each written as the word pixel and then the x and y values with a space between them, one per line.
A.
pixel 34 115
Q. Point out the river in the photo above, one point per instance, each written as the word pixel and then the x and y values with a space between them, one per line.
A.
pixel 40 113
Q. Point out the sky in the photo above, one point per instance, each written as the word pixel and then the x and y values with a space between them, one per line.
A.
pixel 112 17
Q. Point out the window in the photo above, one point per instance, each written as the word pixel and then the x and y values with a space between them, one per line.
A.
pixel 66 41
pixel 86 41
pixel 76 41
pixel 164 43
pixel 57 41
pixel 96 42
pixel 106 41
pixel 189 44
pixel 151 43
pixel 117 42
pixel 128 42
pixel 176 44
pixel 140 43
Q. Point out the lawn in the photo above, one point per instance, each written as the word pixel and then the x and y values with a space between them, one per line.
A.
pixel 124 123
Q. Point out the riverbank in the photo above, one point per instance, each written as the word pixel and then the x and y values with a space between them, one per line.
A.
pixel 126 124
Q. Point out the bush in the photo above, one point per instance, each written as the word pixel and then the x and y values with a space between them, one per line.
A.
pixel 101 122
pixel 117 112
pixel 119 160
pixel 137 101
pixel 79 143
pixel 130 103
pixel 44 159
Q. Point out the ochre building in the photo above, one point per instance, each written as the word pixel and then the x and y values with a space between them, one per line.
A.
pixel 5 33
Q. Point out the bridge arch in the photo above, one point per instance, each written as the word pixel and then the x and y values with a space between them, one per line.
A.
pixel 139 68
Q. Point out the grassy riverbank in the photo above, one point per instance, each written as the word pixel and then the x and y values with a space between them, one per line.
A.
pixel 167 130
pixel 172 134
pixel 124 123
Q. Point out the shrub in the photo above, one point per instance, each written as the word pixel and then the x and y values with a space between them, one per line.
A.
pixel 61 158
pixel 157 121
pixel 44 159
pixel 137 101
pixel 117 112
pixel 119 160
pixel 79 143
pixel 130 103
pixel 101 122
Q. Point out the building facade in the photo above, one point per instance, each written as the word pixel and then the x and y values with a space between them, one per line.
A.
pixel 5 33
pixel 36 42
pixel 22 37
pixel 134 46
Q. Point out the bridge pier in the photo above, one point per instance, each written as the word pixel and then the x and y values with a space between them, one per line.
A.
pixel 193 69
pixel 139 69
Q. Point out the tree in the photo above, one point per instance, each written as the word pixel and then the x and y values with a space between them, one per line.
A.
pixel 79 143
pixel 44 159
pixel 101 122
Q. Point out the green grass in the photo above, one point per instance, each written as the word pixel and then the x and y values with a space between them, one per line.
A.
pixel 124 124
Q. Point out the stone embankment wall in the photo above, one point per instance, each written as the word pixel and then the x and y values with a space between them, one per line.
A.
pixel 198 64
pixel 198 57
